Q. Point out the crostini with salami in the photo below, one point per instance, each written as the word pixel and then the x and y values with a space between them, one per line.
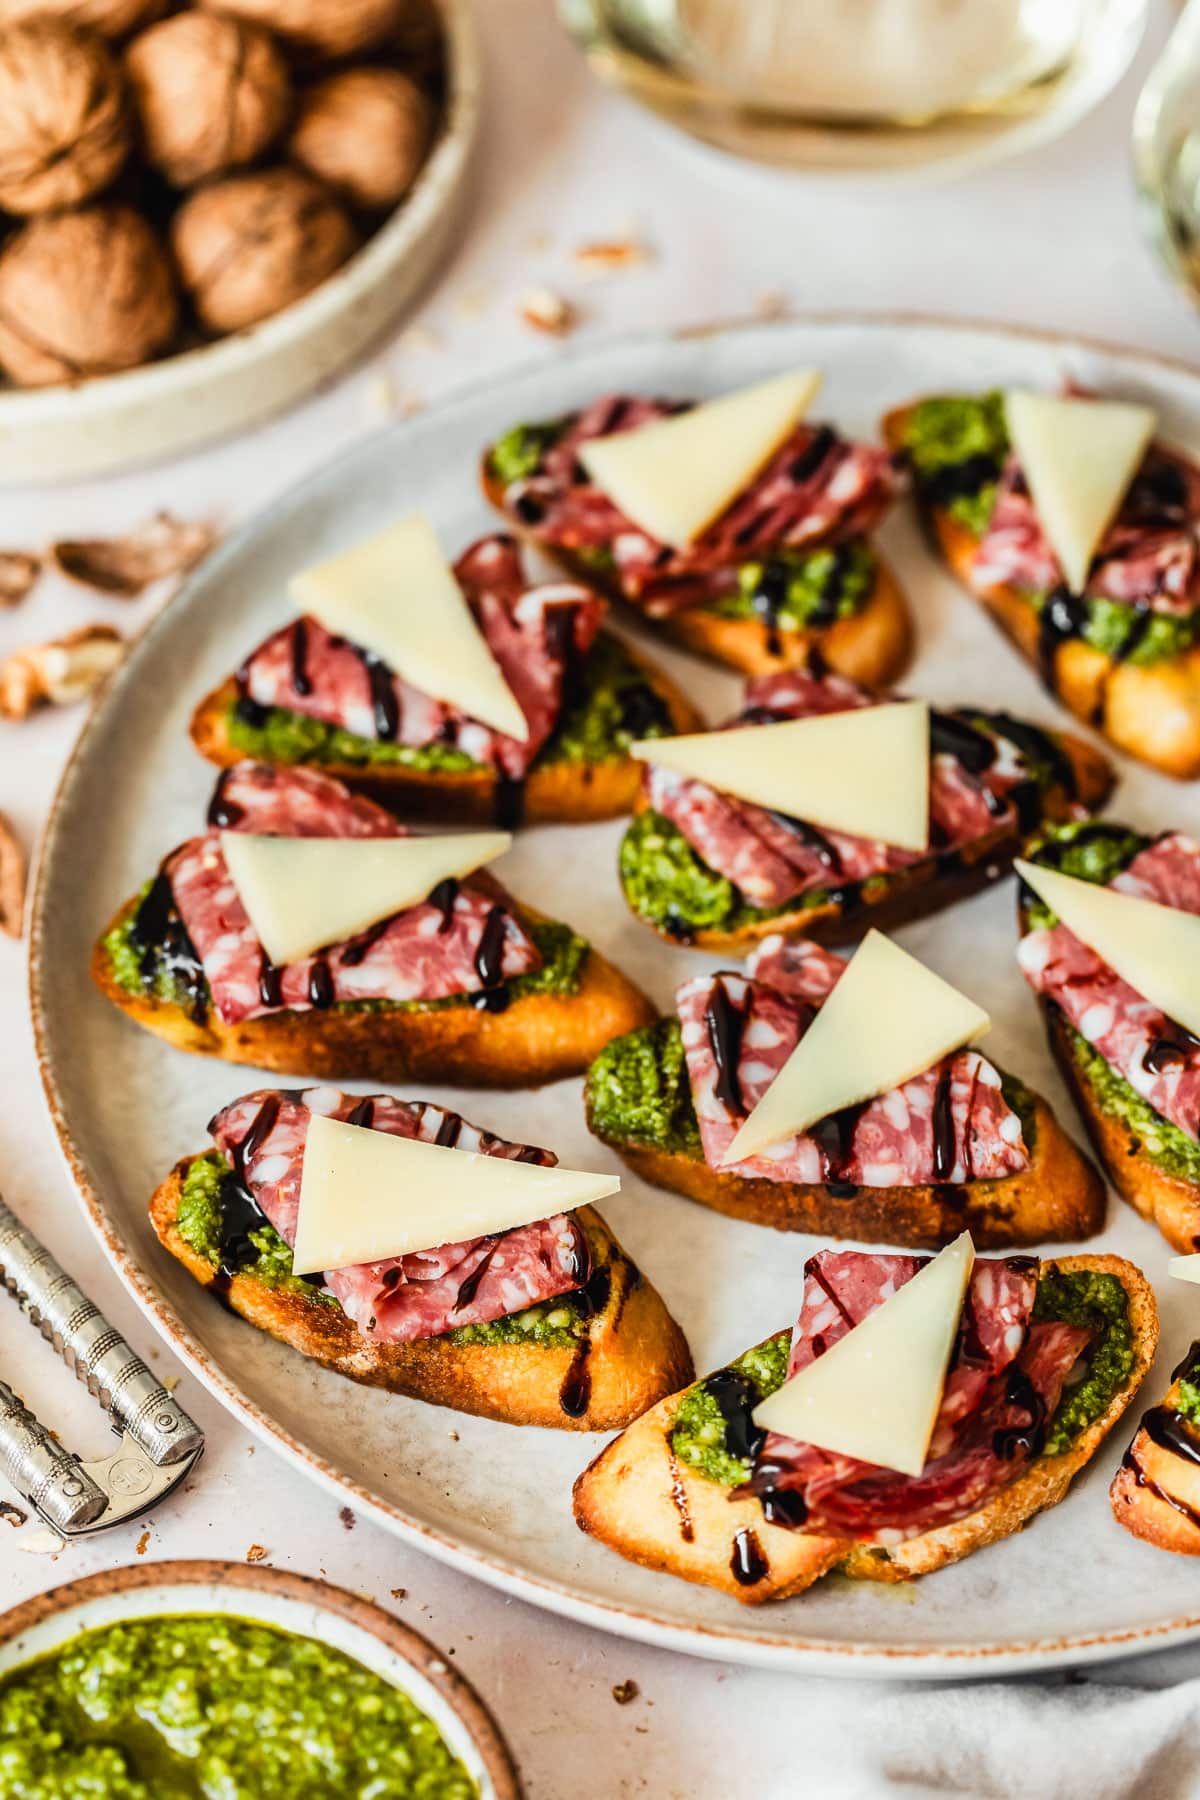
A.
pixel 1043 1361
pixel 313 698
pixel 1113 630
pixel 463 984
pixel 784 566
pixel 958 1144
pixel 706 864
pixel 549 1323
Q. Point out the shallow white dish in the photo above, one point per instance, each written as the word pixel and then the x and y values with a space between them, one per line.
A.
pixel 235 382
pixel 491 1499
pixel 295 1603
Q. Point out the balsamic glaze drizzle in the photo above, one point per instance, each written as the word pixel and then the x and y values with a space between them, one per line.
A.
pixel 725 1024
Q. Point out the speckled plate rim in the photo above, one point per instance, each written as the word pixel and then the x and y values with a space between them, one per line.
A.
pixel 760 1647
pixel 32 1629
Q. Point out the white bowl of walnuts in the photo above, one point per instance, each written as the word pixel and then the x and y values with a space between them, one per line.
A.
pixel 206 210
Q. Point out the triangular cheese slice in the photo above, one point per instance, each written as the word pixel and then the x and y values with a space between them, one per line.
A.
pixel 875 1394
pixel 864 772
pixel 302 893
pixel 1184 1268
pixel 1079 457
pixel 365 1195
pixel 675 476
pixel 889 1018
pixel 1156 949
pixel 395 595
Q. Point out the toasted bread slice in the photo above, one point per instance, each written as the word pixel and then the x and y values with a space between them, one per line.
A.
pixel 637 1497
pixel 1152 712
pixel 633 1353
pixel 872 646
pixel 555 792
pixel 911 893
pixel 1059 1198
pixel 538 1038
pixel 1169 1201
pixel 1155 1493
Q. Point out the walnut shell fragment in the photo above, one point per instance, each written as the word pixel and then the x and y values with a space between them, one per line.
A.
pixel 248 246
pixel 111 18
pixel 64 124
pixel 323 30
pixel 211 93
pixel 125 566
pixel 59 673
pixel 366 133
pixel 18 572
pixel 12 880
pixel 83 293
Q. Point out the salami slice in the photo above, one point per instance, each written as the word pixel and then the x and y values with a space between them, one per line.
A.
pixel 1148 556
pixel 772 858
pixel 1005 1377
pixel 950 1124
pixel 401 1298
pixel 817 488
pixel 536 634
pixel 1158 1058
pixel 427 952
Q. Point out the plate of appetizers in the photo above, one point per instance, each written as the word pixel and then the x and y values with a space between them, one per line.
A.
pixel 532 986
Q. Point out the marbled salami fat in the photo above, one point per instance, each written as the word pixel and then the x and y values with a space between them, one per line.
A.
pixel 817 488
pixel 535 633
pixel 1005 1377
pixel 424 1293
pixel 427 952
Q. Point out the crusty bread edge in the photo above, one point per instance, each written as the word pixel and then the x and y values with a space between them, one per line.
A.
pixel 1147 1474
pixel 636 1351
pixel 539 1038
pixel 635 1496
pixel 1059 1198
pixel 1153 713
pixel 562 792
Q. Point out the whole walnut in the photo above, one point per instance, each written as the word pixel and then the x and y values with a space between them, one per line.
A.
pixel 248 246
pixel 111 18
pixel 322 30
pixel 365 132
pixel 211 93
pixel 84 293
pixel 64 123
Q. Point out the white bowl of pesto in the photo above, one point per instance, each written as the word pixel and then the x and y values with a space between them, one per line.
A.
pixel 165 1680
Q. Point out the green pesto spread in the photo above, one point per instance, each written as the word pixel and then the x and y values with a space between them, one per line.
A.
pixel 616 704
pixel 820 584
pixel 516 455
pixel 563 952
pixel 1188 1379
pixel 1099 1302
pixel 1096 851
pixel 966 435
pixel 174 1708
pixel 637 1090
pixel 957 445
pixel 198 1220
pixel 698 1435
pixel 672 888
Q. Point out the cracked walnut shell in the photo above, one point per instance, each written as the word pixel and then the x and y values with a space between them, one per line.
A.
pixel 366 133
pixel 64 123
pixel 248 246
pixel 211 94
pixel 83 293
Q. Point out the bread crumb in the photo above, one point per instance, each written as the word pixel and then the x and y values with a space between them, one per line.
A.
pixel 771 304
pixel 381 396
pixel 42 1542
pixel 256 1553
pixel 617 253
pixel 398 1593
pixel 624 1692
pixel 143 1543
